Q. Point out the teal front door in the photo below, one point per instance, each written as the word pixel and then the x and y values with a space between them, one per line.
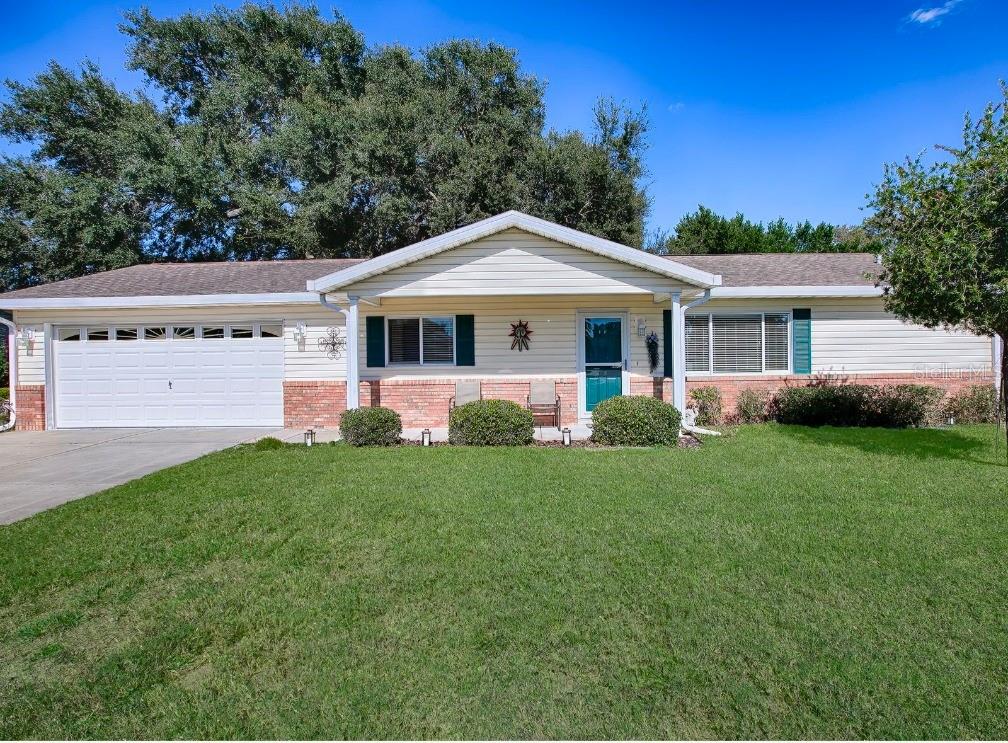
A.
pixel 603 359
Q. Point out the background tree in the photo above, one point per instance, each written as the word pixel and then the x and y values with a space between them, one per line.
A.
pixel 944 227
pixel 267 133
pixel 703 231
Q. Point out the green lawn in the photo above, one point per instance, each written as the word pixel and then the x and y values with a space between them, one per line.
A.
pixel 781 582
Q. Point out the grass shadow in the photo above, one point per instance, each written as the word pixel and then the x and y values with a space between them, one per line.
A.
pixel 920 443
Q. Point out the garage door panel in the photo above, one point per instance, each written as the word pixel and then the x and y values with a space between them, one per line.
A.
pixel 126 383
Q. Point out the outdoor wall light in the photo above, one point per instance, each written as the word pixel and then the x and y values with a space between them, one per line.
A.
pixel 26 336
pixel 309 437
pixel 425 437
pixel 641 327
pixel 566 433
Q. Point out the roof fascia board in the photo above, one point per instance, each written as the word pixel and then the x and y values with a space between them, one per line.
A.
pixel 189 300
pixel 505 221
pixel 757 292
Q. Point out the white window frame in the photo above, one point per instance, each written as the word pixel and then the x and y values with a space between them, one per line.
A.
pixel 420 319
pixel 762 315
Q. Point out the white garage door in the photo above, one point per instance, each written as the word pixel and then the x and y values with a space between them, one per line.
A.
pixel 169 375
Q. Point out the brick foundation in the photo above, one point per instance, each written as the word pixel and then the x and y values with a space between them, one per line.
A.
pixel 425 402
pixel 30 402
pixel 730 386
pixel 313 404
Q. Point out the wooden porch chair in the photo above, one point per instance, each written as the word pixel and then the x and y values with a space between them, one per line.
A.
pixel 466 390
pixel 543 401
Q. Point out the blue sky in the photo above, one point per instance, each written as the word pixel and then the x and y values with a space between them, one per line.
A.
pixel 768 108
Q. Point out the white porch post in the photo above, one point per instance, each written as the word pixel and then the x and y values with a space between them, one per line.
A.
pixel 678 353
pixel 353 355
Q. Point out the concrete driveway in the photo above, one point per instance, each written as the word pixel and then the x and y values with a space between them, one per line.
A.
pixel 42 469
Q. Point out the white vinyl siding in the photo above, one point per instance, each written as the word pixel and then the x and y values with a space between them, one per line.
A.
pixel 513 262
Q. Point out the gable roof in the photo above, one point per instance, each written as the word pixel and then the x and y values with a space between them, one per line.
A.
pixel 787 269
pixel 511 220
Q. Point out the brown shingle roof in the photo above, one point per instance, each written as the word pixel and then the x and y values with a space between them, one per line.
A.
pixel 787 269
pixel 181 279
pixel 257 277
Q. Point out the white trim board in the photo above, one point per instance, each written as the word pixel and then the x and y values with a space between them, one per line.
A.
pixel 783 292
pixel 189 300
pixel 499 223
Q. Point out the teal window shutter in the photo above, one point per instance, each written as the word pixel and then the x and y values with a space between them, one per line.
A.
pixel 801 340
pixel 375 340
pixel 667 341
pixel 465 341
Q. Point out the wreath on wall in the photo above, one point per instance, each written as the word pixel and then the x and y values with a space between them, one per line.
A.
pixel 521 335
pixel 332 344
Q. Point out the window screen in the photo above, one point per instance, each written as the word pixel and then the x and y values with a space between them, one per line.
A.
pixel 698 343
pixel 404 340
pixel 775 339
pixel 438 340
pixel 738 343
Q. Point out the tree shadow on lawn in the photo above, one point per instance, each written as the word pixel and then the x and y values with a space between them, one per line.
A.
pixel 920 443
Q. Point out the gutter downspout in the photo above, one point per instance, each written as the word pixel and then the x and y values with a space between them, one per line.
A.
pixel 681 341
pixel 350 318
pixel 12 368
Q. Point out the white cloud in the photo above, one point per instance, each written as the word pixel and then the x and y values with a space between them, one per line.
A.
pixel 930 15
pixel 676 107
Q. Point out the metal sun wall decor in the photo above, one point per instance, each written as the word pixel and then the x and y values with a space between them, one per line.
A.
pixel 521 335
pixel 332 344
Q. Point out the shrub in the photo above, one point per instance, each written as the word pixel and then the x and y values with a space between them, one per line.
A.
pixel 752 406
pixel 4 393
pixel 268 444
pixel 906 406
pixel 371 427
pixel 975 404
pixel 708 405
pixel 491 423
pixel 635 421
pixel 895 406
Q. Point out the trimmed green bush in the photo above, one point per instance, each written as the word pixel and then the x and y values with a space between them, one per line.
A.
pixel 753 406
pixel 975 404
pixel 268 444
pixel 491 423
pixel 635 421
pixel 707 403
pixel 894 406
pixel 371 427
pixel 4 393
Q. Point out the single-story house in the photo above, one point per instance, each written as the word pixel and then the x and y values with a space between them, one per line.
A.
pixel 504 301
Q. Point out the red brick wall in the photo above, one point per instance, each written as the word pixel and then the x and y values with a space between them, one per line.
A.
pixel 731 385
pixel 313 404
pixel 425 402
pixel 30 402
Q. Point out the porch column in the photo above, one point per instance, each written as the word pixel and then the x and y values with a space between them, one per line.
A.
pixel 679 353
pixel 353 355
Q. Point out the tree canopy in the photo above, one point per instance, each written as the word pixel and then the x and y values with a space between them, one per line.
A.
pixel 265 133
pixel 944 227
pixel 703 231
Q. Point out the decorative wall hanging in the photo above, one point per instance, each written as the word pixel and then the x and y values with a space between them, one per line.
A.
pixel 521 335
pixel 332 344
pixel 652 350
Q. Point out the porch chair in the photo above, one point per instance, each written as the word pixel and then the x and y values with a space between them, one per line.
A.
pixel 466 390
pixel 543 401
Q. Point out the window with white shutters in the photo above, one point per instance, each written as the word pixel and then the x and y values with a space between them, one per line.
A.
pixel 775 341
pixel 698 343
pixel 738 343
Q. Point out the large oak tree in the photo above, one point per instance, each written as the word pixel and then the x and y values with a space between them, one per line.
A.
pixel 268 133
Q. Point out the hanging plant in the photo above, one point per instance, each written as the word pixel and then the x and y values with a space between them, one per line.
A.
pixel 652 350
pixel 521 335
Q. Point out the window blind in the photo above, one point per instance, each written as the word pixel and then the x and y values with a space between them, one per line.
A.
pixel 775 339
pixel 698 343
pixel 404 340
pixel 738 343
pixel 438 340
